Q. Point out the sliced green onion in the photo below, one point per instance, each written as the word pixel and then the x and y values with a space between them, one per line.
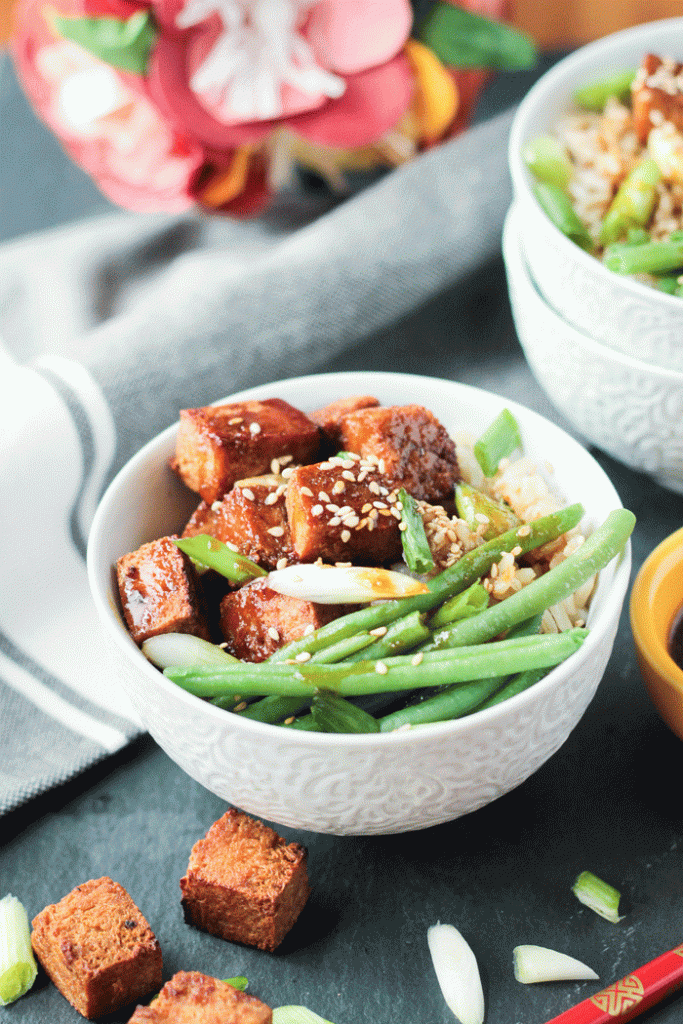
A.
pixel 336 584
pixel 558 206
pixel 457 973
pixel 547 159
pixel 168 649
pixel 332 713
pixel 634 202
pixel 500 439
pixel 239 983
pixel 416 551
pixel 598 895
pixel 297 1015
pixel 463 39
pixel 469 602
pixel 214 554
pixel 472 504
pixel 536 963
pixel 594 95
pixel 18 967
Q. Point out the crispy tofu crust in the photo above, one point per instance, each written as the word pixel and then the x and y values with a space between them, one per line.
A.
pixel 244 883
pixel 413 449
pixel 657 88
pixel 329 417
pixel 160 592
pixel 97 948
pixel 218 445
pixel 255 620
pixel 194 998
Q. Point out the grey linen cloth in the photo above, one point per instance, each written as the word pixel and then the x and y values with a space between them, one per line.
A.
pixel 109 326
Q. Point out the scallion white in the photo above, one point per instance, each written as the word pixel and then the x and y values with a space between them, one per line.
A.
pixel 333 584
pixel 168 650
pixel 536 963
pixel 296 1015
pixel 457 973
pixel 18 967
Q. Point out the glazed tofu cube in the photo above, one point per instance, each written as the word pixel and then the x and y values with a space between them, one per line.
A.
pixel 97 948
pixel 413 450
pixel 194 998
pixel 160 592
pixel 218 445
pixel 244 883
pixel 343 510
pixel 252 517
pixel 657 95
pixel 256 621
pixel 330 416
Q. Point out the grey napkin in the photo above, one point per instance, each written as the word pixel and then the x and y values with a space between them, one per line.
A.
pixel 110 325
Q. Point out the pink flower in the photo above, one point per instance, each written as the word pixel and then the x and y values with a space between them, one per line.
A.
pixel 225 72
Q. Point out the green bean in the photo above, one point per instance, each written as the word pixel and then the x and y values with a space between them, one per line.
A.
pixel 471 504
pixel 469 602
pixel 373 703
pixel 332 713
pixel 416 551
pixel 558 207
pixel 543 592
pixel 634 202
pixel 457 577
pixel 214 554
pixel 517 684
pixel 547 159
pixel 656 257
pixel 594 95
pixel 345 649
pixel 272 709
pixel 668 283
pixel 402 672
pixel 401 635
pixel 463 39
pixel 636 236
pixel 500 439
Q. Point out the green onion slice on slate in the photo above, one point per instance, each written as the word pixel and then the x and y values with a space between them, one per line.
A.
pixel 598 895
pixel 457 973
pixel 533 964
pixel 18 967
pixel 239 983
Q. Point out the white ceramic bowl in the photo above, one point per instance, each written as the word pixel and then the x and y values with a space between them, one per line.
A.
pixel 346 784
pixel 631 409
pixel 621 312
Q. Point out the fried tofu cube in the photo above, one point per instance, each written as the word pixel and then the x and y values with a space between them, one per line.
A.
pixel 244 882
pixel 413 450
pixel 97 948
pixel 252 517
pixel 218 445
pixel 160 591
pixel 343 511
pixel 255 620
pixel 329 416
pixel 194 998
pixel 657 95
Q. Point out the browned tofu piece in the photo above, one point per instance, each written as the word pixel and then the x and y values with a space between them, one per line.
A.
pixel 160 591
pixel 343 510
pixel 412 448
pixel 252 517
pixel 218 445
pixel 256 620
pixel 657 95
pixel 330 416
pixel 194 998
pixel 244 883
pixel 97 948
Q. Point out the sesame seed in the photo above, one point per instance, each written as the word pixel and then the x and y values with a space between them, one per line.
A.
pixel 234 420
pixel 381 668
pixel 373 486
pixel 334 521
pixel 378 631
pixel 343 565
pixel 339 487
pixel 323 496
pixel 233 547
pixel 254 428
pixel 325 465
pixel 310 628
pixel 524 530
pixel 381 466
pixel 286 473
pixel 380 504
pixel 307 491
pixel 399 504
pixel 345 536
pixel 217 506
pixel 273 633
pixel 371 525
pixel 481 518
pixel 224 645
pixel 494 570
pixel 288 721
pixel 403 527
pixel 270 498
pixel 281 563
pixel 281 490
pixel 275 466
pixel 317 510
pixel 348 475
pixel 248 493
pixel 241 706
pixel 285 459
pixel 344 510
pixel 351 520
pixel 303 656
pixel 362 475
pixel 332 507
pixel 516 551
pixel 383 490
pixel 366 507
pixel 396 514
pixel 277 531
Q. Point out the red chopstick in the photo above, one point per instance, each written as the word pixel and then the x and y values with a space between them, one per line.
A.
pixel 634 994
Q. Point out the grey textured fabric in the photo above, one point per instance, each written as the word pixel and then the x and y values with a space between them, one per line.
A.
pixel 110 325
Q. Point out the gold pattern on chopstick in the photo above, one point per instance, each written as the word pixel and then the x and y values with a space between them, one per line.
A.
pixel 678 950
pixel 619 997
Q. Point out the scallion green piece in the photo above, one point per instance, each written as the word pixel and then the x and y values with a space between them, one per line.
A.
pixel 472 504
pixel 416 551
pixel 547 159
pixel 500 439
pixel 239 983
pixel 633 204
pixel 297 1015
pixel 594 95
pixel 558 206
pixel 214 554
pixel 598 895
pixel 332 713
pixel 470 602
pixel 18 967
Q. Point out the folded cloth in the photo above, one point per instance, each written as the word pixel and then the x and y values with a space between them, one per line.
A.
pixel 110 325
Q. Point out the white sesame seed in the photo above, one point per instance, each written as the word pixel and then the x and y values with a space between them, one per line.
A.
pixel 307 491
pixel 281 563
pixel 334 521
pixel 339 487
pixel 277 531
pixel 381 466
pixel 380 504
pixel 396 514
pixel 516 551
pixel 241 706
pixel 417 658
pixel 331 507
pixel 481 518
pixel 345 536
pixel 343 565
pixel 248 493
pixel 403 527
pixel 286 473
pixel 323 496
pixel 254 428
pixel 217 506
pixel 303 656
pixel 288 721
pixel 275 466
pixel 271 498
pixel 366 507
pixel 351 520
pixel 381 668
pixel 524 530
pixel 273 633
pixel 233 547
pixel 310 628
pixel 348 475
pixel 317 510
pixel 234 420
pixel 378 631
pixel 285 459
pixel 325 465
pixel 281 490
pixel 344 510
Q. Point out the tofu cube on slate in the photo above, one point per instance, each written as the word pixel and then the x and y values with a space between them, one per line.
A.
pixel 343 510
pixel 253 518
pixel 255 620
pixel 218 445
pixel 657 95
pixel 97 948
pixel 194 998
pixel 413 450
pixel 160 592
pixel 244 882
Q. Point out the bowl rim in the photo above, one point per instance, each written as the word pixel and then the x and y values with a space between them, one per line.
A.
pixel 520 132
pixel 414 738
pixel 514 256
pixel 647 639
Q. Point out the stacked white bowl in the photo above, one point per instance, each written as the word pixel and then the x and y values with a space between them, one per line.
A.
pixel 607 349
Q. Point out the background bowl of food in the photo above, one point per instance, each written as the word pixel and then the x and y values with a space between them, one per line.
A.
pixel 596 158
pixel 630 408
pixel 391 779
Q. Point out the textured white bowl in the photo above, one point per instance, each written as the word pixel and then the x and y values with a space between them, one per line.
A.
pixel 346 784
pixel 624 313
pixel 631 409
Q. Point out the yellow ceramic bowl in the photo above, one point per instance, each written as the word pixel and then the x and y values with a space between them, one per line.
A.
pixel 656 598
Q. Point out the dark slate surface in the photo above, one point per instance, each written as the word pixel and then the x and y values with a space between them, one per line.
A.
pixel 608 801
